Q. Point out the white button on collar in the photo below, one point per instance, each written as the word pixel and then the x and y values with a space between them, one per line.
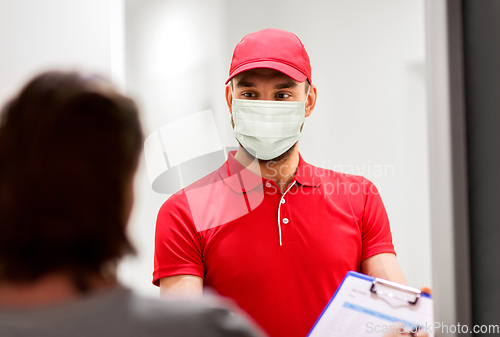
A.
pixel 285 220
pixel 282 201
pixel 268 184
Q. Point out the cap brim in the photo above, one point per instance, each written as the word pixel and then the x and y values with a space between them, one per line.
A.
pixel 281 67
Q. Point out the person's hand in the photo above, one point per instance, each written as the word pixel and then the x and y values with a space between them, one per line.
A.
pixel 426 290
pixel 395 332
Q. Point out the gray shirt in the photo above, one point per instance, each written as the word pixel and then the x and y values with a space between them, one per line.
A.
pixel 120 312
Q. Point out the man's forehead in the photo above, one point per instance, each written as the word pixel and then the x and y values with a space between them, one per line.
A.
pixel 264 73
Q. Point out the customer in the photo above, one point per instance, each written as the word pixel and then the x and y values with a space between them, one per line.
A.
pixel 69 149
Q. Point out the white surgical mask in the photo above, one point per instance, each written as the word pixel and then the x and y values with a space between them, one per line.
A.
pixel 267 129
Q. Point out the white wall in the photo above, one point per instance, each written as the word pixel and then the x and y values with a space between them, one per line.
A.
pixel 368 63
pixel 40 35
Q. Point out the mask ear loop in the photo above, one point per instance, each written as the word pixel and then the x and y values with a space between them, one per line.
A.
pixel 307 97
pixel 305 102
pixel 308 91
pixel 232 102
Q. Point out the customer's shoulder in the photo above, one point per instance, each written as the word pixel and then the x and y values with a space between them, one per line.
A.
pixel 207 316
pixel 122 312
pixel 175 307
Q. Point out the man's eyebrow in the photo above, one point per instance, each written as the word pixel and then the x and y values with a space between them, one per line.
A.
pixel 244 83
pixel 286 85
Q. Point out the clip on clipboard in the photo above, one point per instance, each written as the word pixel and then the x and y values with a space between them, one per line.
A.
pixel 364 305
pixel 415 292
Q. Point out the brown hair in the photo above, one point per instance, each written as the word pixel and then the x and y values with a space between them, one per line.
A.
pixel 69 147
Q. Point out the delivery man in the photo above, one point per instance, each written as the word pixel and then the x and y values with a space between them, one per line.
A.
pixel 304 226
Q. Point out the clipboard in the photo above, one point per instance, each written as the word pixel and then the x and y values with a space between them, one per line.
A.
pixel 367 306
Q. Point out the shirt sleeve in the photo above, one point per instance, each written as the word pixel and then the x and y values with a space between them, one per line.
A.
pixel 178 247
pixel 376 231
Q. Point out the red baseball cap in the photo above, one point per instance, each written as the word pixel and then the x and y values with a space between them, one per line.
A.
pixel 274 49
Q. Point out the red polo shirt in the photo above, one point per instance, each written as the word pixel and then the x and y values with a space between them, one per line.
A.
pixel 279 256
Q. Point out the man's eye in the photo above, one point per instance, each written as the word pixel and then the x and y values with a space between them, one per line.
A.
pixel 248 94
pixel 283 95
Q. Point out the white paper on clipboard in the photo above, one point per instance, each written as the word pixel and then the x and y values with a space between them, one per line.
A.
pixel 364 306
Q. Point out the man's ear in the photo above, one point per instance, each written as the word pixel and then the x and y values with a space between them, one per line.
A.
pixel 311 100
pixel 229 98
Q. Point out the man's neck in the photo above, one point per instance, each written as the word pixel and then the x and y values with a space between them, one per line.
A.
pixel 50 289
pixel 282 172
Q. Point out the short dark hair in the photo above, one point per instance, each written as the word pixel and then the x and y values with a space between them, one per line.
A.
pixel 69 147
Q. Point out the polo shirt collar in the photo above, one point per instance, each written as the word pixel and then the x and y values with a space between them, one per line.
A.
pixel 240 180
pixel 307 174
pixel 237 177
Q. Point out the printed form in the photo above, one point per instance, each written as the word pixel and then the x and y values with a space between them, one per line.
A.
pixel 356 311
